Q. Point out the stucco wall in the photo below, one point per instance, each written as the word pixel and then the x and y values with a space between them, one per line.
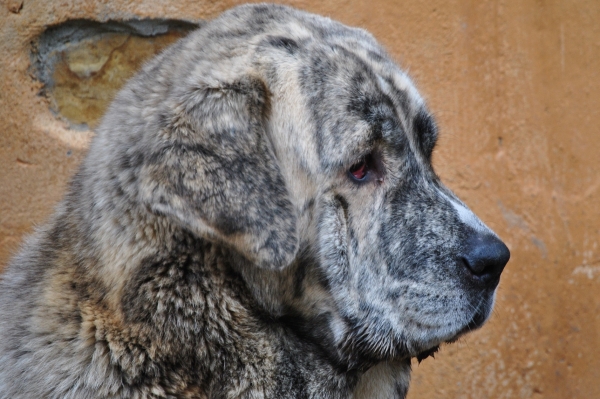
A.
pixel 515 87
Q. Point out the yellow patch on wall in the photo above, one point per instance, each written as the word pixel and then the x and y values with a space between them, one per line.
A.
pixel 89 73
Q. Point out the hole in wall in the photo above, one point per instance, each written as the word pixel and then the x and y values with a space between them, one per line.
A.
pixel 84 63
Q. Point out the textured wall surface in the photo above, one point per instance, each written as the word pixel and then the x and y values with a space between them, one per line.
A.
pixel 515 87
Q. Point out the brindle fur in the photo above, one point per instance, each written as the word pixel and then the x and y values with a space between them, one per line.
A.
pixel 213 244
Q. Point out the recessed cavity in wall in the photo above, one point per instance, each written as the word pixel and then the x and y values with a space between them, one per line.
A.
pixel 83 64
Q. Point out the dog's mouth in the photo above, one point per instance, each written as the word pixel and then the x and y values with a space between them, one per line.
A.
pixel 478 319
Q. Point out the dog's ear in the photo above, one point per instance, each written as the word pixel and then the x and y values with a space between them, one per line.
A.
pixel 216 173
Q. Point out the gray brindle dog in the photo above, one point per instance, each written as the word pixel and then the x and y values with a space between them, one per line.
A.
pixel 257 217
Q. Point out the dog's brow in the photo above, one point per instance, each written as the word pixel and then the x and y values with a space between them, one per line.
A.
pixel 284 43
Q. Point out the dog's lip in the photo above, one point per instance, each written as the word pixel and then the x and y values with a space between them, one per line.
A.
pixel 427 353
pixel 478 319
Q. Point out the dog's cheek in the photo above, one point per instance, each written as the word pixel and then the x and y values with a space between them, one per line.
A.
pixel 333 243
pixel 345 260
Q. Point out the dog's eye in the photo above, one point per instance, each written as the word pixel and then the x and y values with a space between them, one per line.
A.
pixel 359 170
pixel 369 168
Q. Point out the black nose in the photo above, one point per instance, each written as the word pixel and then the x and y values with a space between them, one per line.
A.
pixel 485 256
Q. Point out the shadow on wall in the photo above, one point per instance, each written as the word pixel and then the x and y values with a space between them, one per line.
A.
pixel 83 63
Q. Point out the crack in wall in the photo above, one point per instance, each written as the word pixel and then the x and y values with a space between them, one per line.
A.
pixel 82 64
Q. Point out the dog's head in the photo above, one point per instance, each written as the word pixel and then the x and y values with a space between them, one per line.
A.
pixel 297 143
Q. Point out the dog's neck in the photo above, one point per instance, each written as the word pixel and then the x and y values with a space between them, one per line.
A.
pixel 220 318
pixel 383 381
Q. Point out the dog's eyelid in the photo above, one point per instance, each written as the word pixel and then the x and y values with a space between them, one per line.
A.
pixel 354 159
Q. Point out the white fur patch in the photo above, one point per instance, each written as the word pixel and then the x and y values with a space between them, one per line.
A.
pixel 338 327
pixel 382 381
pixel 466 215
pixel 383 84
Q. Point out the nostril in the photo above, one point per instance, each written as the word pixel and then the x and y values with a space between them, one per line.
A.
pixel 485 256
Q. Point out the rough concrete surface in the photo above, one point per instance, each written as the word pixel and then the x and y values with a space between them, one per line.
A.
pixel 515 87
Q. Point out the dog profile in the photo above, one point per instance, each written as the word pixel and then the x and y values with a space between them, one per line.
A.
pixel 257 217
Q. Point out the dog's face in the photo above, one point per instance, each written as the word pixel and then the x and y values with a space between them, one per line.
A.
pixel 392 263
pixel 408 266
pixel 298 143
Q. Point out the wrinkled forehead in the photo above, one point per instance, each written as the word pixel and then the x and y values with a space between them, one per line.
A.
pixel 355 96
pixel 354 104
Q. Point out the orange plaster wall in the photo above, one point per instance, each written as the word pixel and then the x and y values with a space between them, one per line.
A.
pixel 515 87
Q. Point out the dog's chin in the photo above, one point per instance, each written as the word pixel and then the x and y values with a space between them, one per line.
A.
pixel 477 321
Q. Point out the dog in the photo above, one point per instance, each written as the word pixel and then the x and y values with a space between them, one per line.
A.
pixel 257 217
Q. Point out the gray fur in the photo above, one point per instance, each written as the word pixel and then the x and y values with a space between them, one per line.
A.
pixel 214 245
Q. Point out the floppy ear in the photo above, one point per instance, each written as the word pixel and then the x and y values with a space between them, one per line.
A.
pixel 216 173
